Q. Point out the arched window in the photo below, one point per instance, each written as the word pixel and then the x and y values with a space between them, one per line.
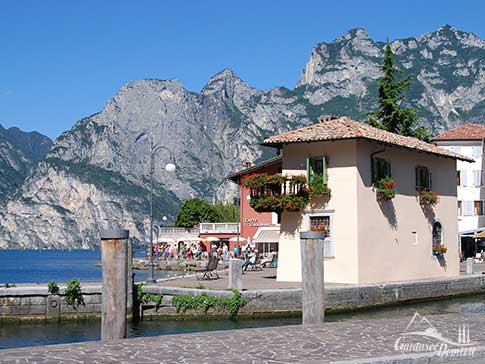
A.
pixel 437 234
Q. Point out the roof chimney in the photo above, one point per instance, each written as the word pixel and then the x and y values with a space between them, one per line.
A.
pixel 324 118
pixel 247 164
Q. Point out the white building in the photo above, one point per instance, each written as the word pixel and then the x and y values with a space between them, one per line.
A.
pixel 468 140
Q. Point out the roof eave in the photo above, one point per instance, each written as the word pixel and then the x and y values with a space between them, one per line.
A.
pixel 280 144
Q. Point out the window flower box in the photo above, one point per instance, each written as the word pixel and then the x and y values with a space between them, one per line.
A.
pixel 385 188
pixel 439 250
pixel 317 187
pixel 319 228
pixel 428 198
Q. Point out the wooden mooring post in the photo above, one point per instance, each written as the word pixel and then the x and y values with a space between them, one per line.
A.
pixel 312 285
pixel 114 258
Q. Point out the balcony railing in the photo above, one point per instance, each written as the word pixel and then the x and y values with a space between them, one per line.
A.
pixel 219 228
pixel 178 230
pixel 277 192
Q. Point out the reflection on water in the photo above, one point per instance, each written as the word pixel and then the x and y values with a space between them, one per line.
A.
pixel 43 333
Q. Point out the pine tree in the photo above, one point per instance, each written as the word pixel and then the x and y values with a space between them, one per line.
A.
pixel 391 115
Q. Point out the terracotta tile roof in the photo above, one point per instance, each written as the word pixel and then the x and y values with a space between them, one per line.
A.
pixel 464 132
pixel 346 128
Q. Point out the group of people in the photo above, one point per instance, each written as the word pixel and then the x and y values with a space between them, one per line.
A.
pixel 195 251
pixel 181 251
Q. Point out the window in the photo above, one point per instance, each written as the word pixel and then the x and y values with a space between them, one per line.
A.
pixel 455 149
pixel 477 178
pixel 478 208
pixel 476 152
pixel 458 178
pixel 467 208
pixel 316 165
pixel 463 179
pixel 381 168
pixel 460 208
pixel 437 234
pixel 327 243
pixel 423 178
pixel 318 220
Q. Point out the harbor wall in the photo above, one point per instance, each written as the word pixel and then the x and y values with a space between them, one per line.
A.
pixel 34 302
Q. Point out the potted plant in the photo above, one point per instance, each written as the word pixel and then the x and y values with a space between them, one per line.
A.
pixel 385 188
pixel 318 187
pixel 427 198
pixel 319 227
pixel 439 250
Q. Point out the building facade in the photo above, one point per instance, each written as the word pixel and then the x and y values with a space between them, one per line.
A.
pixel 370 239
pixel 260 229
pixel 468 140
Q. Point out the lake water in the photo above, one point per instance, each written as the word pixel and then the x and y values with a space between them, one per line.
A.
pixel 41 266
pixel 30 333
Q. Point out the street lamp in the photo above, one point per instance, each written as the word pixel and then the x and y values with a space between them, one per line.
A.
pixel 169 167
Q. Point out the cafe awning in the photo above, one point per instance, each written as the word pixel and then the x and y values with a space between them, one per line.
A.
pixel 480 235
pixel 267 235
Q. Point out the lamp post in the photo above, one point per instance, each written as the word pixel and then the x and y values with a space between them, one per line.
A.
pixel 169 167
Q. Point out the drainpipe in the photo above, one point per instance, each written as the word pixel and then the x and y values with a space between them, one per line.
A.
pixel 372 160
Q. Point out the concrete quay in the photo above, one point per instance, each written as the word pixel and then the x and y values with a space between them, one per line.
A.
pixel 376 341
pixel 261 292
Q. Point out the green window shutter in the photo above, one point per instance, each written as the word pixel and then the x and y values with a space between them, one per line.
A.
pixel 309 170
pixel 388 169
pixel 325 174
pixel 418 177
pixel 374 170
pixel 429 179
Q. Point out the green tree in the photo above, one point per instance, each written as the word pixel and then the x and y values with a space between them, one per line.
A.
pixel 194 211
pixel 229 212
pixel 391 115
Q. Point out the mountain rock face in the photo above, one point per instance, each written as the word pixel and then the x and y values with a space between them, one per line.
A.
pixel 97 174
pixel 19 152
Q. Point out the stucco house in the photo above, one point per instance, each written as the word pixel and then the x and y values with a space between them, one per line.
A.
pixel 388 202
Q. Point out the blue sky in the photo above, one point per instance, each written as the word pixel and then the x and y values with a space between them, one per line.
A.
pixel 62 60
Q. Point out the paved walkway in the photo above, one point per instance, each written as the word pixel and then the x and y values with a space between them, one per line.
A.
pixel 368 341
pixel 265 279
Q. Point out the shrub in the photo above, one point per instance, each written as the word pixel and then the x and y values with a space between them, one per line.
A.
pixel 52 287
pixel 73 293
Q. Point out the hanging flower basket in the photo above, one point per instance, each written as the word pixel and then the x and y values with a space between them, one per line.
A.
pixel 439 250
pixel 385 188
pixel 428 198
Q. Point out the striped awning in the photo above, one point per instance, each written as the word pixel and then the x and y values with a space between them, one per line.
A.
pixel 267 235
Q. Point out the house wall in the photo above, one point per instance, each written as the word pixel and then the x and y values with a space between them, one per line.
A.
pixel 395 237
pixel 342 208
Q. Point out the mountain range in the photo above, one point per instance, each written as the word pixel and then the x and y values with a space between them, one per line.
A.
pixel 96 175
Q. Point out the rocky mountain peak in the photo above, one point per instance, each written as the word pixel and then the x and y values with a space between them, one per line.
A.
pixel 227 85
pixel 98 170
pixel 355 33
